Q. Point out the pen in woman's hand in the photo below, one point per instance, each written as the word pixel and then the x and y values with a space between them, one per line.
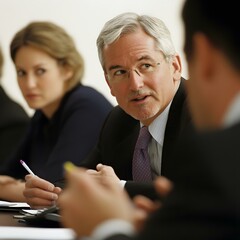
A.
pixel 26 167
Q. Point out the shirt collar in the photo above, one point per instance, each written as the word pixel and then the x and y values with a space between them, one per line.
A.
pixel 157 127
pixel 232 115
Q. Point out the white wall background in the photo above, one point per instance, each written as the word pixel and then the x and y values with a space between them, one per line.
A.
pixel 83 20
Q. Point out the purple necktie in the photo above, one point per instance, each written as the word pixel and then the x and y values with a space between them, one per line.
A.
pixel 141 169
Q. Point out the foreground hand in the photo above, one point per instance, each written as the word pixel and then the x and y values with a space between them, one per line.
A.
pixel 146 206
pixel 40 193
pixel 104 174
pixel 163 187
pixel 86 202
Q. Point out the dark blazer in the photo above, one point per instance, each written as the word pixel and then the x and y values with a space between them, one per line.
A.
pixel 119 135
pixel 69 135
pixel 205 201
pixel 13 123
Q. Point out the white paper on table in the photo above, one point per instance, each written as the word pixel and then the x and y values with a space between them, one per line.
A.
pixel 14 204
pixel 5 204
pixel 33 211
pixel 19 205
pixel 25 233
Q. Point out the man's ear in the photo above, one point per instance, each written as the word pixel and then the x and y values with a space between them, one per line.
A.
pixel 177 67
pixel 204 54
pixel 109 85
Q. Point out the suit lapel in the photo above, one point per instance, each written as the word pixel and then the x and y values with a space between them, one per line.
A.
pixel 178 118
pixel 124 154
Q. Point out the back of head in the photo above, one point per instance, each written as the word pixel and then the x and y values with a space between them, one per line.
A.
pixel 219 21
pixel 53 40
pixel 126 23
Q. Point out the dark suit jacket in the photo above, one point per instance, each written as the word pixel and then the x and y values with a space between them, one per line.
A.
pixel 119 135
pixel 70 134
pixel 13 123
pixel 205 202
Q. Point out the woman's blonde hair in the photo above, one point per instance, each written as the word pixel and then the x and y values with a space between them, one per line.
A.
pixel 53 40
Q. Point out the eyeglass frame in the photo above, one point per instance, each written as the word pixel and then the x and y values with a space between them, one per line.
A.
pixel 134 69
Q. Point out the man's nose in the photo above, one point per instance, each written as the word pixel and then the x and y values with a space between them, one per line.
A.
pixel 136 79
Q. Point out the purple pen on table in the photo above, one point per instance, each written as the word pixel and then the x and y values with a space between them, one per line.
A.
pixel 26 167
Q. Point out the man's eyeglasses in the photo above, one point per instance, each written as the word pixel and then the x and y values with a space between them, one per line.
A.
pixel 118 74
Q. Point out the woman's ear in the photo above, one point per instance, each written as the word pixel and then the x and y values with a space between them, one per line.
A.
pixel 68 73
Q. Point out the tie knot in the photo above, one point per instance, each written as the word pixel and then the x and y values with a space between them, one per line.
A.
pixel 143 138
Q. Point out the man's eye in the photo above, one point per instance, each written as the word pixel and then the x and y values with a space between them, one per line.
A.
pixel 146 67
pixel 119 72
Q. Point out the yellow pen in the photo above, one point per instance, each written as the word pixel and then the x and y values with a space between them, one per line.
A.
pixel 69 166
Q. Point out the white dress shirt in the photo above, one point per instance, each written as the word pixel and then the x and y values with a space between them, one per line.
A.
pixel 157 131
pixel 233 114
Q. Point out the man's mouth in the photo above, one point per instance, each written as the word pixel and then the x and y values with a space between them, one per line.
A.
pixel 140 98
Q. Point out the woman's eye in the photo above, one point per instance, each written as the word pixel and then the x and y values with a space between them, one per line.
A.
pixel 20 73
pixel 40 71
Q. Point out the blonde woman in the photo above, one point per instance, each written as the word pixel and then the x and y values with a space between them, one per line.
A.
pixel 68 114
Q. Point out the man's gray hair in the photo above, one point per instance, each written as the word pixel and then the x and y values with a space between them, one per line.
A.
pixel 126 23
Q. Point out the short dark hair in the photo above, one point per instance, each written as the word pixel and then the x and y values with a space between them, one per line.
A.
pixel 218 20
